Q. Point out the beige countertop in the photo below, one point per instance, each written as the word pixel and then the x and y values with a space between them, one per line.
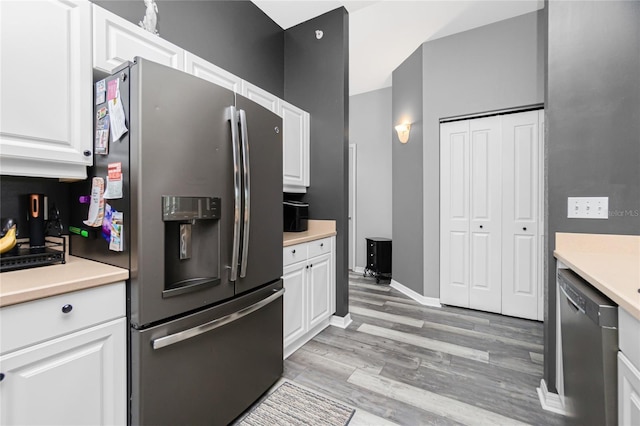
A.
pixel 611 263
pixel 316 229
pixel 35 283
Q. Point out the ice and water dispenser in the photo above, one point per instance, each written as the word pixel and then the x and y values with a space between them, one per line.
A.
pixel 192 243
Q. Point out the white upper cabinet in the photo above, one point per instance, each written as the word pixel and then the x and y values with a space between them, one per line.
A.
pixel 207 71
pixel 260 96
pixel 116 40
pixel 46 96
pixel 295 151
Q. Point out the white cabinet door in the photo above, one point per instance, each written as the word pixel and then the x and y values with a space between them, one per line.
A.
pixel 77 379
pixel 454 215
pixel 207 71
pixel 520 215
pixel 260 96
pixel 319 289
pixel 46 91
pixel 116 40
pixel 295 150
pixel 628 392
pixel 484 214
pixel 295 302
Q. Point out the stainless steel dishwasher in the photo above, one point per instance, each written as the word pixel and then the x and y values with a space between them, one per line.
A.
pixel 589 328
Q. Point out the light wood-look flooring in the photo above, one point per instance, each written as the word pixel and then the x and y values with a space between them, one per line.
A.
pixel 409 364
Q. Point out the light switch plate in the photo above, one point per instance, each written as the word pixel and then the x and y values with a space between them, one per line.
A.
pixel 588 207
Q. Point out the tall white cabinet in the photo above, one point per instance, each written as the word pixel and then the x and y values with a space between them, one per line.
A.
pixel 490 218
pixel 46 90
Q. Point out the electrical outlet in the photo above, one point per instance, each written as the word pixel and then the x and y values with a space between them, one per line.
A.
pixel 588 207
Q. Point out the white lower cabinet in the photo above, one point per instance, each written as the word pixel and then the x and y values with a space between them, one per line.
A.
pixel 78 377
pixel 309 298
pixel 628 392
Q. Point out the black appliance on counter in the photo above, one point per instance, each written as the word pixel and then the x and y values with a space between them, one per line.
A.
pixel 201 233
pixel 295 216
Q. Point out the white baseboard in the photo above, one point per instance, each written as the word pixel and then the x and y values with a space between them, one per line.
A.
pixel 359 269
pixel 550 401
pixel 342 322
pixel 423 300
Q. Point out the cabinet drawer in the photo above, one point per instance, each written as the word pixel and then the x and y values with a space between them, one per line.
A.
pixel 33 322
pixel 318 247
pixel 293 254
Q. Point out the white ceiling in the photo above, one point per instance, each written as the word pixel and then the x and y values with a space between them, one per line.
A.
pixel 382 34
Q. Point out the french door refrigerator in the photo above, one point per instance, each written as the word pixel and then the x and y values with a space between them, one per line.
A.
pixel 190 200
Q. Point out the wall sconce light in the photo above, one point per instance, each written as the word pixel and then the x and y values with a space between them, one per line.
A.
pixel 403 132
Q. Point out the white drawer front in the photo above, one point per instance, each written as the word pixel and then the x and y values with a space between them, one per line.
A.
pixel 293 254
pixel 43 319
pixel 318 247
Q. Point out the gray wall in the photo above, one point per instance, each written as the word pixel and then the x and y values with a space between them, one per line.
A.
pixel 496 66
pixel 234 35
pixel 317 80
pixel 369 124
pixel 407 105
pixel 593 125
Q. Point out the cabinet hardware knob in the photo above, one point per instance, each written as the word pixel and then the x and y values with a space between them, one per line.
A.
pixel 481 227
pixel 293 252
pixel 311 266
pixel 67 308
pixel 1 377
pixel 87 153
pixel 306 267
pixel 321 244
pixel 524 228
pixel 276 129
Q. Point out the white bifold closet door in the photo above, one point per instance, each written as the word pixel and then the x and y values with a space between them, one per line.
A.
pixel 470 200
pixel 489 201
pixel 520 219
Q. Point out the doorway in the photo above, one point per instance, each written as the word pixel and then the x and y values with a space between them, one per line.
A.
pixel 352 204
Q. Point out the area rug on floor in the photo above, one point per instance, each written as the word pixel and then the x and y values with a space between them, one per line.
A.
pixel 292 405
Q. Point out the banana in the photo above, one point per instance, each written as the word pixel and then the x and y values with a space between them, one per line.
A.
pixel 8 241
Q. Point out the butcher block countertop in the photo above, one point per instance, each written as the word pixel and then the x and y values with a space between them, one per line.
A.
pixel 316 229
pixel 611 263
pixel 44 281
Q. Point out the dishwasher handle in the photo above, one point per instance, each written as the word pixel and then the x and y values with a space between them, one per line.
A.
pixel 212 325
pixel 570 300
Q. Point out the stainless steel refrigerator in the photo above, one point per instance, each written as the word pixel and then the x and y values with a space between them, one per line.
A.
pixel 196 211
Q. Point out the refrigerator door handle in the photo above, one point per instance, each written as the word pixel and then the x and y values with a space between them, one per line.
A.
pixel 247 193
pixel 235 253
pixel 212 325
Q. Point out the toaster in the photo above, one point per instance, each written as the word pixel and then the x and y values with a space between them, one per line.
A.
pixel 296 215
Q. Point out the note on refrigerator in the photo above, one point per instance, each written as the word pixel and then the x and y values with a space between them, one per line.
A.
pixel 96 205
pixel 100 92
pixel 116 111
pixel 114 181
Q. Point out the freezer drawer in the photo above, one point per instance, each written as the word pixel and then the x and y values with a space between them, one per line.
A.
pixel 208 367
